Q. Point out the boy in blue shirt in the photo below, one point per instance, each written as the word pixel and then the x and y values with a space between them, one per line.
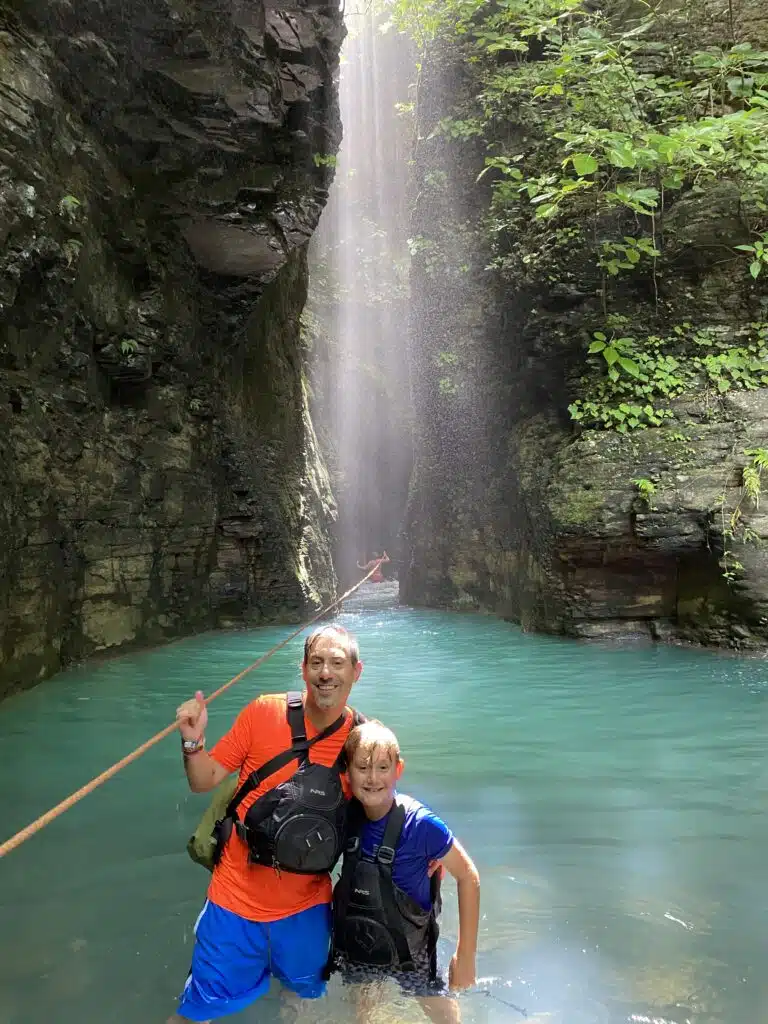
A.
pixel 387 900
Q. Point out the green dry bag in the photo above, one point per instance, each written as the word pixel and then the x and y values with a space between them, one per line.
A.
pixel 202 844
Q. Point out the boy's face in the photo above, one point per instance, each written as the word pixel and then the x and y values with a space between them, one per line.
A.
pixel 373 775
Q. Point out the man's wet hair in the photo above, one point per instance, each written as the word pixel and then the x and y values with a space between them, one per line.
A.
pixel 347 639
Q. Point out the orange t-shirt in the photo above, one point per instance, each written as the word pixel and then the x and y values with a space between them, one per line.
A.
pixel 255 891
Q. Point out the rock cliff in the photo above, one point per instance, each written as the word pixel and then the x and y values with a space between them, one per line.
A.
pixel 516 509
pixel 159 181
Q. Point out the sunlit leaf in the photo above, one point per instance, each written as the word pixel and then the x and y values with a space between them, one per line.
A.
pixel 629 366
pixel 584 163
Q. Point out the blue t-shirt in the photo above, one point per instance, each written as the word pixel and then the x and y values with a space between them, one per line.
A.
pixel 425 837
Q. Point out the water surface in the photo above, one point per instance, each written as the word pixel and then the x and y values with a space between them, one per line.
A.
pixel 614 800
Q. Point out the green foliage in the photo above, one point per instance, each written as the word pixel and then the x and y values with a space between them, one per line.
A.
pixel 625 255
pixel 427 251
pixel 128 346
pixel 456 128
pixel 645 488
pixel 69 207
pixel 622 136
pixel 71 249
pixel 734 527
pixel 448 363
pixel 634 379
pixel 758 252
pixel 613 122
pixel 321 160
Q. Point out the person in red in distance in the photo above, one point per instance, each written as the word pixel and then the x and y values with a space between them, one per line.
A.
pixel 377 560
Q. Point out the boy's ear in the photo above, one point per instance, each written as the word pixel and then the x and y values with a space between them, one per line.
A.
pixel 399 769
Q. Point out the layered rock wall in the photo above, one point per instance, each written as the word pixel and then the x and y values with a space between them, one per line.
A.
pixel 513 508
pixel 159 182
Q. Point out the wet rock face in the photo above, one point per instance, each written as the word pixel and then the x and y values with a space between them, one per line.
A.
pixel 159 181
pixel 610 561
pixel 513 508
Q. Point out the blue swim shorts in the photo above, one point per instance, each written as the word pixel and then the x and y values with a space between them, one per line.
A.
pixel 233 959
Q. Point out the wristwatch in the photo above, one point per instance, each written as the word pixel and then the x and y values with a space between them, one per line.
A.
pixel 192 746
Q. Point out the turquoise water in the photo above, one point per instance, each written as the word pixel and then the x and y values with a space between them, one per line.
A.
pixel 614 801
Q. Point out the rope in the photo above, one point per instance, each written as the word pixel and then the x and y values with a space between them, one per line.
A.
pixel 505 1002
pixel 44 819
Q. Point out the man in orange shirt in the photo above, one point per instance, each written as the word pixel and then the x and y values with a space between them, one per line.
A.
pixel 268 910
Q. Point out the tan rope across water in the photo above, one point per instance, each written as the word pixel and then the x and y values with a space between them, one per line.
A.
pixel 44 819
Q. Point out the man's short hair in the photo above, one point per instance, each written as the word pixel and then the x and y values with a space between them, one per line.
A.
pixel 347 639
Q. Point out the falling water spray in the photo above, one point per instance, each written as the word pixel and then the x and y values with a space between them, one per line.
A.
pixel 357 313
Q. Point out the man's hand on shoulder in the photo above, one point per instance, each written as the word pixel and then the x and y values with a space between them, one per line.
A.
pixel 436 866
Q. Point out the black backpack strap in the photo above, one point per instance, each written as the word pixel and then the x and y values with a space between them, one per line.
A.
pixel 353 851
pixel 298 750
pixel 385 858
pixel 294 712
pixel 433 928
pixel 356 819
pixel 342 891
pixel 392 832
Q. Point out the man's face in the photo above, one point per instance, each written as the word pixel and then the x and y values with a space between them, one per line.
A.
pixel 373 777
pixel 329 673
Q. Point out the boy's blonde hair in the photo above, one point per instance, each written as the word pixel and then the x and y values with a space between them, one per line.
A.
pixel 370 738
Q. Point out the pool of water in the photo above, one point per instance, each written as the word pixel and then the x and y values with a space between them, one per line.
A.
pixel 613 799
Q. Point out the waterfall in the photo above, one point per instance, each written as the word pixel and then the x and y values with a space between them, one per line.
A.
pixel 356 318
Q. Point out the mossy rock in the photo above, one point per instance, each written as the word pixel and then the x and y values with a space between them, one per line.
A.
pixel 576 505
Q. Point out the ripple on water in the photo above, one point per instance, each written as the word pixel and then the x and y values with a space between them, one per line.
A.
pixel 613 799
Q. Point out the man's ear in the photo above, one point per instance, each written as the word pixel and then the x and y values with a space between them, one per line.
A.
pixel 358 670
pixel 399 769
